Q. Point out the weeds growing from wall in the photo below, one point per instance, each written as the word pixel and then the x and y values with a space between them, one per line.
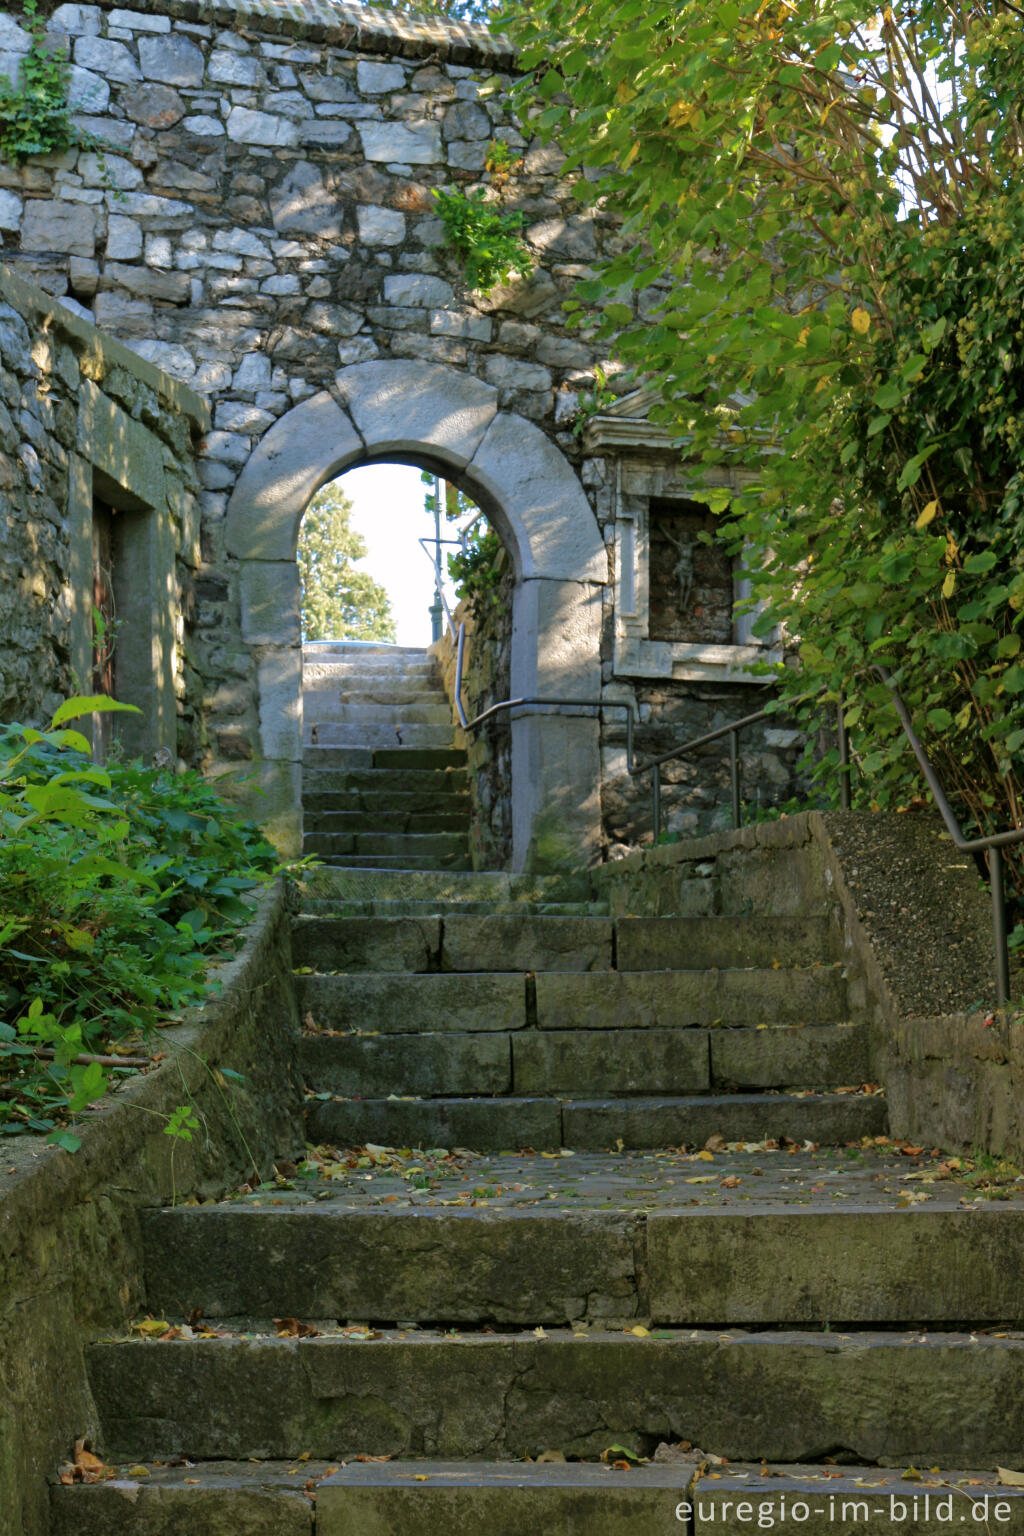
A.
pixel 35 112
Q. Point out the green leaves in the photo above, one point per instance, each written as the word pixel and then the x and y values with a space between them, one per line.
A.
pixel 486 239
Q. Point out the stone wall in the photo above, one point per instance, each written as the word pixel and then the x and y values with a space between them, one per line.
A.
pixel 85 423
pixel 70 1241
pixel 261 221
pixel 486 681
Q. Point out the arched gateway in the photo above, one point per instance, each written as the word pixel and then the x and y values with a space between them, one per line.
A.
pixel 450 422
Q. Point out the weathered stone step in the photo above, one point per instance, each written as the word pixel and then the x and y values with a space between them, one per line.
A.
pixel 671 999
pixel 391 695
pixel 392 1003
pixel 385 785
pixel 855 1264
pixel 581 1064
pixel 321 759
pixel 343 908
pixel 339 823
pixel 416 757
pixel 578 1498
pixel 393 732
pixel 495 1124
pixel 475 885
pixel 354 650
pixel 464 942
pixel 935 1400
pixel 413 862
pixel 391 845
pixel 663 943
pixel 330 712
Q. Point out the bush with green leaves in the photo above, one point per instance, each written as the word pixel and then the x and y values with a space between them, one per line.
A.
pixel 117 887
pixel 486 240
pixel 832 201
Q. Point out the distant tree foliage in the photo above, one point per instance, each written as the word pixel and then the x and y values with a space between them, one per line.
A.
pixel 455 10
pixel 338 601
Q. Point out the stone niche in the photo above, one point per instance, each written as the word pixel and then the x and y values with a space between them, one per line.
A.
pixel 691 584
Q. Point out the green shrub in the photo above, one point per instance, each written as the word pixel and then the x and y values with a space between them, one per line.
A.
pixel 35 115
pixel 117 886
pixel 486 240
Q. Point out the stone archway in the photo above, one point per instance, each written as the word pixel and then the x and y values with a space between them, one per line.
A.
pixel 442 419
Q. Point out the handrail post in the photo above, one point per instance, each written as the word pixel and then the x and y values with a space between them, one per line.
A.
pixel 656 794
pixel 734 776
pixel 844 758
pixel 995 873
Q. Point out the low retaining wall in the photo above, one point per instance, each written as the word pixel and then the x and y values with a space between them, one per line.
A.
pixel 915 925
pixel 70 1244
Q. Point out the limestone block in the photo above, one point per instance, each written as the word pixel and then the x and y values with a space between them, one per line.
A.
pixel 305 448
pixel 405 406
pixel 13 39
pixel 118 310
pixel 380 226
pixel 67 228
pixel 445 322
pixel 302 205
pixel 10 210
pixel 279 679
pixel 114 131
pixel 509 373
pixel 238 416
pixel 110 170
pixel 417 290
pixel 235 69
pixel 270 602
pixel 146 205
pixel 467 155
pixel 556 629
pixel 240 243
pixel 545 509
pixel 253 372
pixel 204 127
pixel 168 356
pixel 561 352
pixel 124 237
pixel 325 133
pixel 139 21
pixel 374 79
pixel 87 91
pixel 408 143
pixel 171 59
pixel 246 126
pixel 466 121
pixel 166 287
pixel 76 20
pixel 111 60
pixel 153 106
pixel 568 238
pixel 121 448
pixel 226 448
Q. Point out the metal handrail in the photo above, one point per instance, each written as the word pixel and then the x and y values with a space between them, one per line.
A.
pixel 990 845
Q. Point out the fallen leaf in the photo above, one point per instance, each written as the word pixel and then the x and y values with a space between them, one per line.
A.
pixel 640 1332
pixel 151 1327
pixel 732 1182
pixel 551 1456
pixel 539 1333
pixel 291 1328
pixel 1010 1479
pixel 911 1475
pixel 715 1143
pixel 705 1156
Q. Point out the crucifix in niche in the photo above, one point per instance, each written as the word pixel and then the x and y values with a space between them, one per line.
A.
pixel 691 581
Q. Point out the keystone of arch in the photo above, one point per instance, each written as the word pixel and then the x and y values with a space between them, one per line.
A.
pixel 416 410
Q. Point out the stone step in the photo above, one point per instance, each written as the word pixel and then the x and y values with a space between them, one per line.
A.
pixel 321 759
pixel 354 650
pixel 583 1063
pixel 476 885
pixel 726 1003
pixel 418 863
pixel 417 757
pixel 796 1241
pixel 496 1124
pixel 344 675
pixel 389 695
pixel 370 786
pixel 464 942
pixel 662 943
pixel 335 823
pixel 937 1400
pixel 377 735
pixel 332 712
pixel 579 1498
pixel 341 908
pixel 390 845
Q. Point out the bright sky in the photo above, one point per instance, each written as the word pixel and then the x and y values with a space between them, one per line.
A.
pixel 389 513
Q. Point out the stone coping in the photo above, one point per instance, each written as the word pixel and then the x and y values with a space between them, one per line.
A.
pixel 45 313
pixel 360 28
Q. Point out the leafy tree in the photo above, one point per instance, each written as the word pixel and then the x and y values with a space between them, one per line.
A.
pixel 455 10
pixel 829 203
pixel 338 602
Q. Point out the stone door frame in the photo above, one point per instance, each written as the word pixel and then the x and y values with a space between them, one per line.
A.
pixel 448 422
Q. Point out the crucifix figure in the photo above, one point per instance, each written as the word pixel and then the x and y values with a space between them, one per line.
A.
pixel 682 571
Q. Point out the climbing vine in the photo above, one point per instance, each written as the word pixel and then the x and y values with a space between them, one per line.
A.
pixel 486 239
pixel 35 112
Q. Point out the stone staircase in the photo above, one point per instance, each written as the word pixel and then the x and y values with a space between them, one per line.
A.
pixel 383 785
pixel 608 1194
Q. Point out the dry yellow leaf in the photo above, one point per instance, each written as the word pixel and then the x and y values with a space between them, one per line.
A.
pixel 926 514
pixel 705 1156
pixel 640 1332
pixel 861 321
pixel 949 584
pixel 1010 1479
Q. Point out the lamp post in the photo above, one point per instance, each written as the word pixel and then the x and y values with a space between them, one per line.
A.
pixel 436 610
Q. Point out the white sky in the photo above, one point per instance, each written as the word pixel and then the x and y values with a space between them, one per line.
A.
pixel 389 513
